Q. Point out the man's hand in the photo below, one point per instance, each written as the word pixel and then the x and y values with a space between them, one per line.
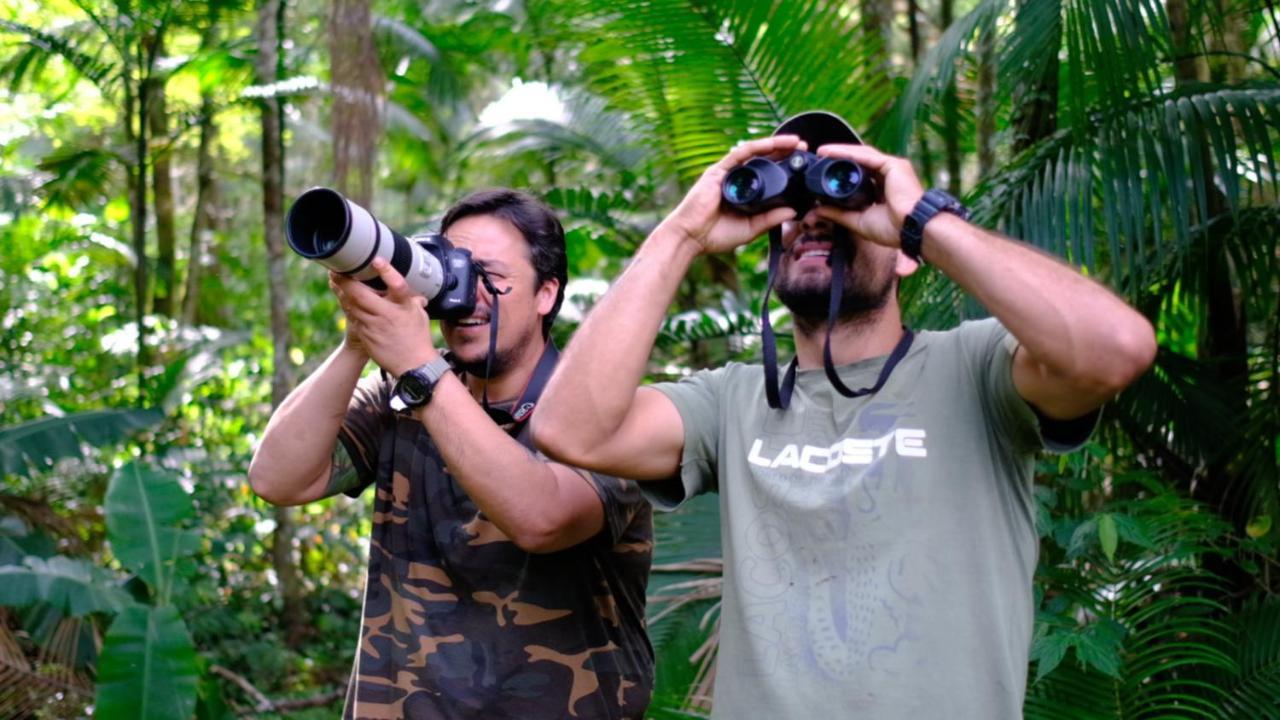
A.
pixel 880 223
pixel 393 328
pixel 698 217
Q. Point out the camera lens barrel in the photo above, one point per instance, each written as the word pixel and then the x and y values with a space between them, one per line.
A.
pixel 324 226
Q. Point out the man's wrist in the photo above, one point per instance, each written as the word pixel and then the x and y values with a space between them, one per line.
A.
pixel 931 205
pixel 673 242
pixel 940 234
pixel 353 350
pixel 417 360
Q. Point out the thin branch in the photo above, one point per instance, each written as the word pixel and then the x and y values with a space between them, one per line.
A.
pixel 264 704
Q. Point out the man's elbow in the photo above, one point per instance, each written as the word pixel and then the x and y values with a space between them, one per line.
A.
pixel 1129 355
pixel 261 484
pixel 540 538
pixel 555 441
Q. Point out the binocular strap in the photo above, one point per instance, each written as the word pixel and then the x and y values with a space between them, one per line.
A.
pixel 779 396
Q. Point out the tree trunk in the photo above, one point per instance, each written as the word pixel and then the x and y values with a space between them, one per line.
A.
pixel 877 23
pixel 1225 339
pixel 202 218
pixel 917 43
pixel 136 128
pixel 986 100
pixel 1035 103
pixel 162 193
pixel 951 112
pixel 356 78
pixel 270 29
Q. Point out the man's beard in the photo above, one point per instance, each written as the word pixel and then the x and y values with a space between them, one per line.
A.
pixel 504 359
pixel 809 300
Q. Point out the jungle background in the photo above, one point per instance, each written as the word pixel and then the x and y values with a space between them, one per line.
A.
pixel 151 317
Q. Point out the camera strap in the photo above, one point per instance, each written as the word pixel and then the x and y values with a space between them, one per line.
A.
pixel 779 396
pixel 515 420
pixel 494 293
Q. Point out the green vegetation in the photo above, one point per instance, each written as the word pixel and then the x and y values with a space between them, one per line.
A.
pixel 149 319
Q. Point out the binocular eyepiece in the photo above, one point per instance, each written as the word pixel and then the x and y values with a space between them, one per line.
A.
pixel 797 181
pixel 324 226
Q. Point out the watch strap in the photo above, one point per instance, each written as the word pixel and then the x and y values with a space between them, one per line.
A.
pixel 933 202
pixel 429 374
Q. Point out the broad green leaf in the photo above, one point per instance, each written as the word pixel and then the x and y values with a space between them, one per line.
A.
pixel 74 587
pixel 145 507
pixel 1259 527
pixel 1107 535
pixel 147 668
pixel 40 443
pixel 1048 650
pixel 1099 646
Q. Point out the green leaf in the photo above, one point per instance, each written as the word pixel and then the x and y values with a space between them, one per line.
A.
pixel 1048 650
pixel 144 508
pixel 1259 526
pixel 147 668
pixel 74 587
pixel 1099 646
pixel 40 443
pixel 1107 535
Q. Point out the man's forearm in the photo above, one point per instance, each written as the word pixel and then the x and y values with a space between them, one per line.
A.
pixel 1074 326
pixel 518 492
pixel 298 443
pixel 601 369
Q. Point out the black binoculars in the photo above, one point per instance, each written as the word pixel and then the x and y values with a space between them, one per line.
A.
pixel 797 181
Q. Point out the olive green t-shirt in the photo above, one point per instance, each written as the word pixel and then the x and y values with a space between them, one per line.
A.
pixel 878 551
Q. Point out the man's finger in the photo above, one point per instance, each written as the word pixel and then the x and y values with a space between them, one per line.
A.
pixel 397 289
pixel 864 155
pixel 755 148
pixel 763 222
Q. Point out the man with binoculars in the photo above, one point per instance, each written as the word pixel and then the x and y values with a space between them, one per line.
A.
pixel 500 584
pixel 878 523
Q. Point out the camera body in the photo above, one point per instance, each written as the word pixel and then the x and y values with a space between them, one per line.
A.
pixel 797 181
pixel 324 226
pixel 456 298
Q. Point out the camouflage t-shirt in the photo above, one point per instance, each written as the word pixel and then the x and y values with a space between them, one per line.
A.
pixel 459 622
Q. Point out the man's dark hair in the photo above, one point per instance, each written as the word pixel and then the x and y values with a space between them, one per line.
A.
pixel 536 222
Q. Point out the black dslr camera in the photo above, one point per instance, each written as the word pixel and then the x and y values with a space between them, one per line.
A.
pixel 797 181
pixel 344 237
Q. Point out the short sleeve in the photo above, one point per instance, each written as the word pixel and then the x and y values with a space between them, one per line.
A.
pixel 622 500
pixel 698 400
pixel 360 436
pixel 989 349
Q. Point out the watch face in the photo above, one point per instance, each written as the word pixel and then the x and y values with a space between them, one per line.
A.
pixel 414 389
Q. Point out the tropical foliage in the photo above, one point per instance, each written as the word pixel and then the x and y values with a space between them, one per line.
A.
pixel 1138 140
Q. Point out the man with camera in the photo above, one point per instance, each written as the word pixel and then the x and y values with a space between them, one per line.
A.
pixel 877 515
pixel 500 584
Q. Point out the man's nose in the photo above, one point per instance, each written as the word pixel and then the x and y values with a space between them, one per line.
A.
pixel 811 222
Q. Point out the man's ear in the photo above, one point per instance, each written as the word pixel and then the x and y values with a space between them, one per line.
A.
pixel 545 298
pixel 904 265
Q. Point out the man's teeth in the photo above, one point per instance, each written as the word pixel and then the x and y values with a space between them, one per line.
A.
pixel 472 323
pixel 814 253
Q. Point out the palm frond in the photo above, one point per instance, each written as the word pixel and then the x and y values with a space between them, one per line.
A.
pixel 67 44
pixel 1141 162
pixel 78 177
pixel 701 76
pixel 1254 693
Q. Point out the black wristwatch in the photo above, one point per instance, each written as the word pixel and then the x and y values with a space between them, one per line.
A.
pixel 933 202
pixel 413 389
